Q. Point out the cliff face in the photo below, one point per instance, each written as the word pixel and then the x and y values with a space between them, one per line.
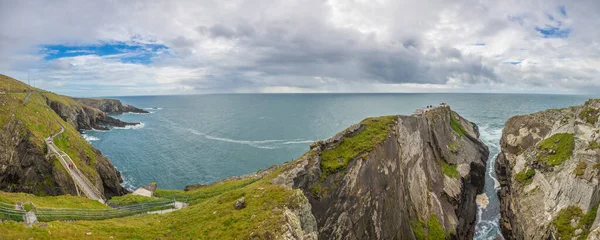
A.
pixel 418 180
pixel 112 106
pixel 27 119
pixel 85 117
pixel 548 169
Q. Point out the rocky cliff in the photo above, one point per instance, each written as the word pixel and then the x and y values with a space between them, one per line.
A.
pixel 112 106
pixel 548 169
pixel 86 117
pixel 27 119
pixel 395 177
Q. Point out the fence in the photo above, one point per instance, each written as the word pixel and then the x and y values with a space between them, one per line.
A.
pixel 8 211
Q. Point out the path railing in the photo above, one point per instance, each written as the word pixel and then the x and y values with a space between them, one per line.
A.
pixel 9 211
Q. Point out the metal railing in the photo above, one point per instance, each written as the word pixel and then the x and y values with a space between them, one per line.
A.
pixel 9 211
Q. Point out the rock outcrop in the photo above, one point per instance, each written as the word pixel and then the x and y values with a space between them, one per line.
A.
pixel 419 179
pixel 548 169
pixel 111 106
pixel 26 165
pixel 84 117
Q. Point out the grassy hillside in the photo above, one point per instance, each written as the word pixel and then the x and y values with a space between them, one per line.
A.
pixel 211 215
pixel 41 122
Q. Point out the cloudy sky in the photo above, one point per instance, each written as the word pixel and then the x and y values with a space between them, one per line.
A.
pixel 108 48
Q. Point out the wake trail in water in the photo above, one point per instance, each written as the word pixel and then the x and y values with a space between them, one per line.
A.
pixel 262 144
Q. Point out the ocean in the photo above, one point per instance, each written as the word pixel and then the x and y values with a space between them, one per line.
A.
pixel 204 138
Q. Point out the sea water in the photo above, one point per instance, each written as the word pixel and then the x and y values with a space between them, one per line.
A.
pixel 204 138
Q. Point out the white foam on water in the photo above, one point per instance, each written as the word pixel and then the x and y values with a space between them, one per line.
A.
pixel 137 126
pixel 263 144
pixel 89 138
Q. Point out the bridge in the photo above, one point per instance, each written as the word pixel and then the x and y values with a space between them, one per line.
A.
pixel 82 183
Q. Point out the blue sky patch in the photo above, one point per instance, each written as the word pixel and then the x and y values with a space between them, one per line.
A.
pixel 513 63
pixel 562 10
pixel 553 32
pixel 129 53
pixel 479 44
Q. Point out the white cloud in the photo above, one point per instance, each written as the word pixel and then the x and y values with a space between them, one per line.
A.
pixel 305 46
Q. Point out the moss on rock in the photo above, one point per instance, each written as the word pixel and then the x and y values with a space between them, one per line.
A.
pixel 556 149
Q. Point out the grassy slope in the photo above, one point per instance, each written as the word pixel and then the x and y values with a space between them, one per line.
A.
pixel 65 201
pixel 375 131
pixel 40 120
pixel 211 215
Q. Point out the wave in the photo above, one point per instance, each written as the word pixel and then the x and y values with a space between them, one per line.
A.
pixel 263 144
pixel 151 108
pixel 89 138
pixel 127 183
pixel 138 126
pixel 94 130
pixel 135 113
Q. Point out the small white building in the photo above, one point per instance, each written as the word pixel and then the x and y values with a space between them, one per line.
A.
pixel 147 191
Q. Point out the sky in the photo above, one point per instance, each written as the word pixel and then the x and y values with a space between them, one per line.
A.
pixel 118 48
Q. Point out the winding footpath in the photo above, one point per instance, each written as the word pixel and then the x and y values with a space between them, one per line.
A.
pixel 81 181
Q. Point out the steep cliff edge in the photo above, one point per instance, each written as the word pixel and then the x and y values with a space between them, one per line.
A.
pixel 112 106
pixel 548 169
pixel 395 177
pixel 31 115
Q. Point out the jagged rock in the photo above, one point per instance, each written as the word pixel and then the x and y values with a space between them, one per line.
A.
pixel 84 117
pixel 240 203
pixel 383 193
pixel 528 207
pixel 112 106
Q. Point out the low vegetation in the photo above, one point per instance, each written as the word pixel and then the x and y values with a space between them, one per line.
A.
pixel 457 126
pixel 432 230
pixel 580 169
pixel 563 226
pixel 593 145
pixel 374 131
pixel 556 149
pixel 525 176
pixel 129 199
pixel 589 114
pixel 211 215
pixel 449 170
pixel 64 201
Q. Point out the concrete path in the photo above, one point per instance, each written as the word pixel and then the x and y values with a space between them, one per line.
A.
pixel 27 98
pixel 82 183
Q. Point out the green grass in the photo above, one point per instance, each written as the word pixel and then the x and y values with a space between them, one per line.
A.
pixel 525 176
pixel 374 132
pixel 201 194
pixel 593 145
pixel 431 230
pixel 129 199
pixel 589 115
pixel 562 143
pixel 213 217
pixel 449 170
pixel 15 85
pixel 562 222
pixel 580 169
pixel 457 126
pixel 64 201
pixel 453 147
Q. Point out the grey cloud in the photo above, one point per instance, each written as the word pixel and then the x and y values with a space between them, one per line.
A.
pixel 223 47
